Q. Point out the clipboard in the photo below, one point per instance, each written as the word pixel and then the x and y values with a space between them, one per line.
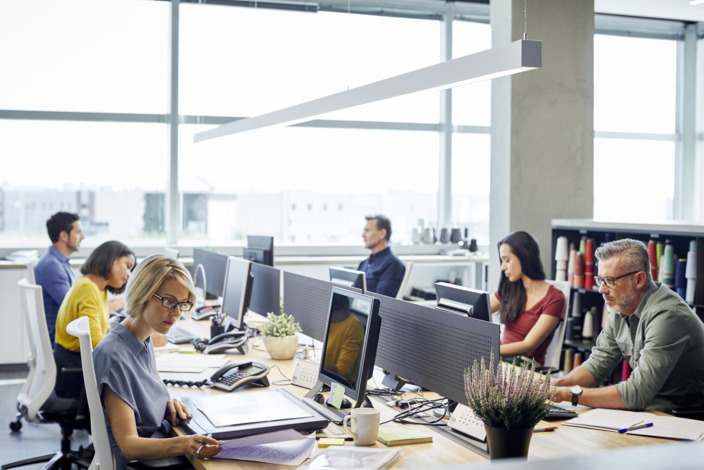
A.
pixel 246 413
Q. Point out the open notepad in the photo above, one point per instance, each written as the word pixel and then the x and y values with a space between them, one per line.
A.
pixel 668 427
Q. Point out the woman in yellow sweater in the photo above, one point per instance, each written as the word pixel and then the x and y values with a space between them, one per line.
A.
pixel 107 269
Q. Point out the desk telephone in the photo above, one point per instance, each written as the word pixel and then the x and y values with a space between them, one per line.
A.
pixel 235 375
pixel 465 421
pixel 206 311
pixel 219 344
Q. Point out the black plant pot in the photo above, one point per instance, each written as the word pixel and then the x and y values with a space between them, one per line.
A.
pixel 506 443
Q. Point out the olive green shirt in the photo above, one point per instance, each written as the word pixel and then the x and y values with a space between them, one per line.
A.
pixel 663 341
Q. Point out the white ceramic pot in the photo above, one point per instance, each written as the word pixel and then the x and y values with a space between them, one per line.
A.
pixel 281 347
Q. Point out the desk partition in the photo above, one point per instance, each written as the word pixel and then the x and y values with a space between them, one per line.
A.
pixel 307 299
pixel 430 347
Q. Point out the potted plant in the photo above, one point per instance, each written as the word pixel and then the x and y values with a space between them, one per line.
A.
pixel 510 402
pixel 280 338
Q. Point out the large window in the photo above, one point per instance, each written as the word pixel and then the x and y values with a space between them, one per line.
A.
pixel 635 106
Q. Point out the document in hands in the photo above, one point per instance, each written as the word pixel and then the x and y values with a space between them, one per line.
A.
pixel 639 423
pixel 286 447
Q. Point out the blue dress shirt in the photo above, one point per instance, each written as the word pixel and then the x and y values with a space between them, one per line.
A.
pixel 53 272
pixel 384 272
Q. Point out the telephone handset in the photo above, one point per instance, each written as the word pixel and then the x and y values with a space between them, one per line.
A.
pixel 221 343
pixel 206 311
pixel 238 374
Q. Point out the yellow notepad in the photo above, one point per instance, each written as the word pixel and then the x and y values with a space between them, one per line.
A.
pixel 402 438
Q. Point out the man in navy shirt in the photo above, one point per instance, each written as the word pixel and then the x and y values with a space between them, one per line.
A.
pixel 53 271
pixel 383 269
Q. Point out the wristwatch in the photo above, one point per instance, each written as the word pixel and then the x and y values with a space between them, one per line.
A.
pixel 576 392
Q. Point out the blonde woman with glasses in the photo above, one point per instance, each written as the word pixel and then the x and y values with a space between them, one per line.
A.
pixel 134 397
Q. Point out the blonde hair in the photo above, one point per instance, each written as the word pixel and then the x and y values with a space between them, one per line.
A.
pixel 149 275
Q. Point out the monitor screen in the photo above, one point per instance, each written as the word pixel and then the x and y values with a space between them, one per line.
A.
pixel 348 278
pixel 266 290
pixel 237 291
pixel 471 302
pixel 431 347
pixel 351 338
pixel 260 249
pixel 214 266
pixel 307 299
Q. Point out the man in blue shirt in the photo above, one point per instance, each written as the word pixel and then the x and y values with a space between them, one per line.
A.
pixel 53 271
pixel 383 269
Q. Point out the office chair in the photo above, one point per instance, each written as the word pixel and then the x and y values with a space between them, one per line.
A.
pixel 103 458
pixel 37 401
pixel 404 281
pixel 554 352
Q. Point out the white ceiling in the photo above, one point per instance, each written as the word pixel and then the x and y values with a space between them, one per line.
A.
pixel 670 9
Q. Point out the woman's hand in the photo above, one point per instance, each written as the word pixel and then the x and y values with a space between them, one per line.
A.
pixel 203 447
pixel 177 411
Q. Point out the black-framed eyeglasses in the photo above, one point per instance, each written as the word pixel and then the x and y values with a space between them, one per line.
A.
pixel 172 304
pixel 610 281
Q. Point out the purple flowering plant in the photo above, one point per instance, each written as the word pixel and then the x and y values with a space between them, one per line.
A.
pixel 510 397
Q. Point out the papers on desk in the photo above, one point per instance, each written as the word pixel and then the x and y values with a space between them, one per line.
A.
pixel 668 427
pixel 286 447
pixel 337 458
pixel 194 363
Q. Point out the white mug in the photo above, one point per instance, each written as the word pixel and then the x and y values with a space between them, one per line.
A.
pixel 366 425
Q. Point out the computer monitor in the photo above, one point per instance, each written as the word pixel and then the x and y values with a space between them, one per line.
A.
pixel 471 302
pixel 237 291
pixel 307 299
pixel 431 347
pixel 209 270
pixel 349 349
pixel 349 278
pixel 259 249
pixel 266 290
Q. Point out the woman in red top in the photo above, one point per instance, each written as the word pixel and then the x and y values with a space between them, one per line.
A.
pixel 530 308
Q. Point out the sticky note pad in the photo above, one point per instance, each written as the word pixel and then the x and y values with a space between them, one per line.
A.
pixel 330 441
pixel 337 393
pixel 404 438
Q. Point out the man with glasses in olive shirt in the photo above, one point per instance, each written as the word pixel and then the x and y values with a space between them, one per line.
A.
pixel 384 271
pixel 652 328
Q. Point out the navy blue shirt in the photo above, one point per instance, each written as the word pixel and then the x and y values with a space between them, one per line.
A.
pixel 384 272
pixel 53 272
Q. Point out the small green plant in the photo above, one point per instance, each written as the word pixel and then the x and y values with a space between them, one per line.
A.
pixel 279 325
pixel 510 397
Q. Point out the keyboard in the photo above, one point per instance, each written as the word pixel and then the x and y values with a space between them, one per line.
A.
pixel 179 336
pixel 556 413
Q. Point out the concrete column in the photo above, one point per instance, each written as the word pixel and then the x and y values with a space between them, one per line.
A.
pixel 542 141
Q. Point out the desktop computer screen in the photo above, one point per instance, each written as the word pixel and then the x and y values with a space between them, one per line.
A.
pixel 237 291
pixel 351 338
pixel 470 302
pixel 259 249
pixel 209 271
pixel 266 290
pixel 349 278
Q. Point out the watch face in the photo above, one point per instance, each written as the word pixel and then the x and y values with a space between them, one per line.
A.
pixel 576 389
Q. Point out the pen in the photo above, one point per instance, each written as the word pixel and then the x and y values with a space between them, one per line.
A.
pixel 202 446
pixel 633 428
pixel 554 428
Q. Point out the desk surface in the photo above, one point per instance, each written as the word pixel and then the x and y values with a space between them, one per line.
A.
pixel 566 441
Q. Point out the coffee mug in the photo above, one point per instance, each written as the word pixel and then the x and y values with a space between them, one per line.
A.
pixel 365 427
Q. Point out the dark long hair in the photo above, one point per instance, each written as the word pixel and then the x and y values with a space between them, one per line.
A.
pixel 513 294
pixel 101 259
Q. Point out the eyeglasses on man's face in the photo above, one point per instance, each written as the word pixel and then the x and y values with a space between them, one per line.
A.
pixel 172 304
pixel 611 281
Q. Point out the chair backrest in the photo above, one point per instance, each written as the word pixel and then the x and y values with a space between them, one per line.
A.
pixel 404 281
pixel 29 270
pixel 103 459
pixel 554 352
pixel 42 368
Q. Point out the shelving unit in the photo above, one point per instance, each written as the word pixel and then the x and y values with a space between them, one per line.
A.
pixel 679 233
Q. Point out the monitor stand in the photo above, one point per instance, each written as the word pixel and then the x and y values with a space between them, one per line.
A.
pixel 331 413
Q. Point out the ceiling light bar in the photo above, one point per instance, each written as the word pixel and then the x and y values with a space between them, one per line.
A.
pixel 496 62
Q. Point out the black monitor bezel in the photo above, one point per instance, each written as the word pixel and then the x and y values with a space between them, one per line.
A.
pixel 369 346
pixel 350 278
pixel 243 294
pixel 474 303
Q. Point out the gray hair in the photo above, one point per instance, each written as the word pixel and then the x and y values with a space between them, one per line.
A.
pixel 635 254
